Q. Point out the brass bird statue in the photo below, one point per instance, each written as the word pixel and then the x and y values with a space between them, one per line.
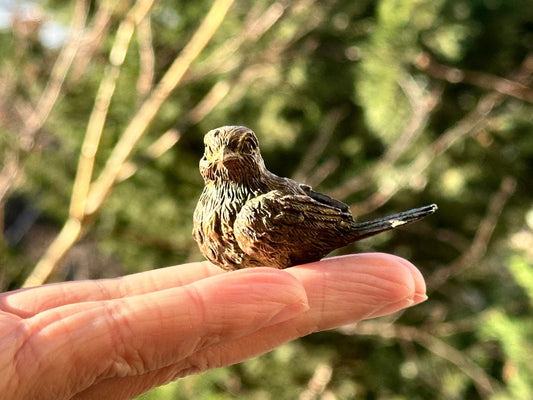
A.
pixel 247 216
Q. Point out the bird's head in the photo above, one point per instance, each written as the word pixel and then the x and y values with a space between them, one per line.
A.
pixel 232 154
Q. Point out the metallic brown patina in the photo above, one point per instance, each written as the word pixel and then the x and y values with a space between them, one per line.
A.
pixel 248 217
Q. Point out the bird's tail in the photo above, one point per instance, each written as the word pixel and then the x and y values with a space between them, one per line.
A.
pixel 365 229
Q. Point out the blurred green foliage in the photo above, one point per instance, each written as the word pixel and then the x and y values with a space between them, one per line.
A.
pixel 424 101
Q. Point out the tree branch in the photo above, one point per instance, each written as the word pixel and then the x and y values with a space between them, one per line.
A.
pixel 484 383
pixel 478 247
pixel 140 121
pixel 495 83
pixel 9 175
pixel 86 197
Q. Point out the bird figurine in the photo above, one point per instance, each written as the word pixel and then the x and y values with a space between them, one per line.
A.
pixel 247 216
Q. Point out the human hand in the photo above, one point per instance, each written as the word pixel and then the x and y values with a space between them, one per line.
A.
pixel 117 338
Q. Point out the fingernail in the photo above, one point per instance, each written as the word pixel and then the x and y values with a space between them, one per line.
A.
pixel 288 312
pixel 419 298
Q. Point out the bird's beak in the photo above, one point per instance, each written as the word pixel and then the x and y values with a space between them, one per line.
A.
pixel 225 155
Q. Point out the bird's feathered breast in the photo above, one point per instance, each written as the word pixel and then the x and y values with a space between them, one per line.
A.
pixel 214 217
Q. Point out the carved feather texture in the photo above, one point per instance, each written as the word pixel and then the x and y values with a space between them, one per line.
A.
pixel 248 216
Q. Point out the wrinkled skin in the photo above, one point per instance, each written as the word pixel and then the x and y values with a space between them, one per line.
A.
pixel 116 338
pixel 248 216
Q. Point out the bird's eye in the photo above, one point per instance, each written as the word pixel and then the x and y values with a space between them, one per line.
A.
pixel 232 145
pixel 248 145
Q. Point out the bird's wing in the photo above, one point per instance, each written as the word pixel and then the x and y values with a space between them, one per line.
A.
pixel 324 198
pixel 284 230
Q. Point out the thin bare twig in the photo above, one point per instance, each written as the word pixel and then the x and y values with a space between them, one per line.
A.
pixel 11 170
pixel 146 58
pixel 484 383
pixel 317 147
pixel 226 59
pixel 74 224
pixel 92 38
pixel 495 83
pixel 2 220
pixel 140 121
pixel 217 93
pixel 472 123
pixel 256 25
pixel 168 139
pixel 8 175
pixel 160 146
pixel 478 247
pixel 223 58
pixel 318 382
pixel 260 24
pixel 423 105
pixel 57 76
pixel 323 171
pixel 87 197
pixel 100 109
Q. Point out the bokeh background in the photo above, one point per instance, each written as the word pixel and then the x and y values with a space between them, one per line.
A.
pixel 386 105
